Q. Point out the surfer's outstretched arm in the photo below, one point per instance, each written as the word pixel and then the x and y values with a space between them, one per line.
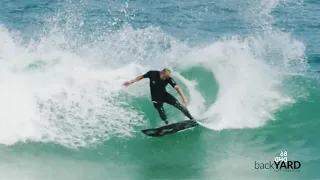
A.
pixel 139 78
pixel 133 80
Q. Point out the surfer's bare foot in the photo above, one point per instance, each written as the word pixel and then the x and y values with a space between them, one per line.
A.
pixel 165 121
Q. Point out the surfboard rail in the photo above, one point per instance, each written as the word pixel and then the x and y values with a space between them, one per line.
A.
pixel 170 129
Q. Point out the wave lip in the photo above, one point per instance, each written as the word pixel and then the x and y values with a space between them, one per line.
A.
pixel 251 89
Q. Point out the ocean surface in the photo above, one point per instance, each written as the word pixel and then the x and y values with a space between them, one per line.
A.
pixel 249 68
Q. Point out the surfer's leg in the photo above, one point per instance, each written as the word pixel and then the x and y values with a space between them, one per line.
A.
pixel 168 98
pixel 159 106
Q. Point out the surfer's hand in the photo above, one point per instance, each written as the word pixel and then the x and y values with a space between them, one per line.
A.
pixel 185 100
pixel 126 84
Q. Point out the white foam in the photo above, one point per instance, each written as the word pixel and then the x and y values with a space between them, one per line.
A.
pixel 53 94
pixel 251 86
pixel 249 90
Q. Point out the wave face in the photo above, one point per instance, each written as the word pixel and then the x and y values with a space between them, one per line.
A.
pixel 248 68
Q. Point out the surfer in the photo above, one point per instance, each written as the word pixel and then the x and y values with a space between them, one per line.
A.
pixel 159 95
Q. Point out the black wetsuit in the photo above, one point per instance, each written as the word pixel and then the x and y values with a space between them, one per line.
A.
pixel 159 95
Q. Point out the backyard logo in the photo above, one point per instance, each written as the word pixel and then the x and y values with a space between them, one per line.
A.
pixel 280 164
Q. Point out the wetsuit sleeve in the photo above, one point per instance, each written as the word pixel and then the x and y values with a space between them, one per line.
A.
pixel 147 75
pixel 172 82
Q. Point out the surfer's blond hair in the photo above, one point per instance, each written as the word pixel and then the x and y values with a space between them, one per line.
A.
pixel 166 72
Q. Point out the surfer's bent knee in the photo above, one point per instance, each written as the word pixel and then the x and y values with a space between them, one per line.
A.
pixel 156 104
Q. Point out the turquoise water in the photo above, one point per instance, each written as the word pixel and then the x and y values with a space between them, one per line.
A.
pixel 249 68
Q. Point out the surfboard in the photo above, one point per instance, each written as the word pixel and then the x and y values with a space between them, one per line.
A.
pixel 169 129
